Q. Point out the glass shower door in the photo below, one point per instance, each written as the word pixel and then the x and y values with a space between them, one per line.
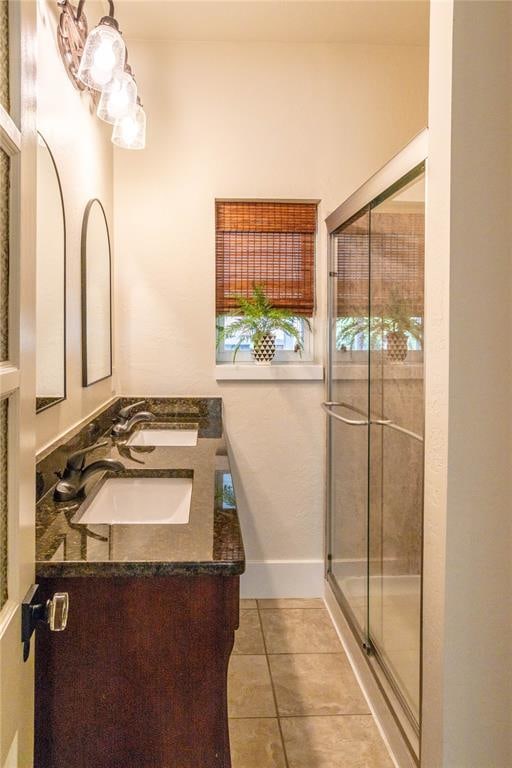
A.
pixel 396 436
pixel 375 407
pixel 348 421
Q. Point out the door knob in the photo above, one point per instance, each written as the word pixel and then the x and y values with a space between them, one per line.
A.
pixel 57 610
pixel 54 613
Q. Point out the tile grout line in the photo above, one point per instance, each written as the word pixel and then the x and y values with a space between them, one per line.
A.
pixel 298 653
pixel 302 717
pixel 264 610
pixel 285 754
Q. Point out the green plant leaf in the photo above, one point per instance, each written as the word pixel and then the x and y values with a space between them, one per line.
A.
pixel 259 318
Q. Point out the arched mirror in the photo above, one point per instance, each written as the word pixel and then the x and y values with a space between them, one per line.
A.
pixel 96 296
pixel 50 282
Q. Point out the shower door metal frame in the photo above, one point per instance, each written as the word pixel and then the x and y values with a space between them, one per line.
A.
pixel 407 161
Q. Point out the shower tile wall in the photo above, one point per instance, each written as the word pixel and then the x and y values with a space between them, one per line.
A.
pixel 401 481
pixel 398 474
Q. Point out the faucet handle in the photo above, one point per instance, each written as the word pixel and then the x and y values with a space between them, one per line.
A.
pixel 125 412
pixel 77 459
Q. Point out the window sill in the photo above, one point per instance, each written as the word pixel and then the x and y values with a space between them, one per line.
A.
pixel 273 372
pixel 359 371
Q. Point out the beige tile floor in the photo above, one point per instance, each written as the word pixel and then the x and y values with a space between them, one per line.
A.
pixel 293 699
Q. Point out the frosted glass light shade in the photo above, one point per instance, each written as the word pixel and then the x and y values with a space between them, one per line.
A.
pixel 130 131
pixel 104 55
pixel 118 98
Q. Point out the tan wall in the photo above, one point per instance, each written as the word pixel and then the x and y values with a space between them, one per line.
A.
pixel 467 693
pixel 249 120
pixel 81 146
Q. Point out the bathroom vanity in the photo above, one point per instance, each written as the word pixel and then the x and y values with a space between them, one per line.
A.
pixel 138 679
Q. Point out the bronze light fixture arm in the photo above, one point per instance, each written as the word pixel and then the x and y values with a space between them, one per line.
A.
pixel 110 11
pixel 127 67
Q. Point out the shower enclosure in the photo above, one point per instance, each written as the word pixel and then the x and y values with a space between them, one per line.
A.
pixel 375 414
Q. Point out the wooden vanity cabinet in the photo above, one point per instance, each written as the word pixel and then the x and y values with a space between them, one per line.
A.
pixel 139 677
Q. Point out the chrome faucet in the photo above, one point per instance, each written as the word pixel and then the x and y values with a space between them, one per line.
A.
pixel 125 423
pixel 75 475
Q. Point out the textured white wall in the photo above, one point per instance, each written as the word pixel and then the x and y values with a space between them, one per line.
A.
pixel 467 684
pixel 80 144
pixel 250 121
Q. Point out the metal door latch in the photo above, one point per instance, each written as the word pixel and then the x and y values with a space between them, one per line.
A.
pixel 54 613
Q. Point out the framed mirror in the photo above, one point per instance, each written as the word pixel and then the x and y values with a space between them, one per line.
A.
pixel 50 282
pixel 96 295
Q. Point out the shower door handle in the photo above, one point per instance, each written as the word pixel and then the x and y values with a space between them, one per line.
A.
pixel 350 422
pixel 392 425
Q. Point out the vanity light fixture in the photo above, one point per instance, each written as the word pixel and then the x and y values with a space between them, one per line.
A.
pixel 118 98
pixel 130 131
pixel 97 61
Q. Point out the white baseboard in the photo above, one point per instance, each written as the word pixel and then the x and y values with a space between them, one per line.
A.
pixel 283 578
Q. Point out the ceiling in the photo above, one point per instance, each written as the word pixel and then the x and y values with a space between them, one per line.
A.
pixel 387 22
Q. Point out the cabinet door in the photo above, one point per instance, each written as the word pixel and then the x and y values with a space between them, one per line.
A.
pixel 139 677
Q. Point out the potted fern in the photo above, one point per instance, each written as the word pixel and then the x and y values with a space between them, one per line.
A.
pixel 396 325
pixel 257 324
pixel 389 331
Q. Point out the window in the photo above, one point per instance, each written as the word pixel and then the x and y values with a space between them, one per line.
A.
pixel 285 344
pixel 271 244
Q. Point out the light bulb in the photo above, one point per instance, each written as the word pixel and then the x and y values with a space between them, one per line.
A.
pixel 103 56
pixel 100 76
pixel 118 98
pixel 130 131
pixel 118 102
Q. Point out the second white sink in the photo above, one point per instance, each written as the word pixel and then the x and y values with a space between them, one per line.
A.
pixel 167 437
pixel 140 501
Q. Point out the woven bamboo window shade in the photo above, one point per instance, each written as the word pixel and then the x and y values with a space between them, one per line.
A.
pixel 397 260
pixel 353 268
pixel 397 244
pixel 270 244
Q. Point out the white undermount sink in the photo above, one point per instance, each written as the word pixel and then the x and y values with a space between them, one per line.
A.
pixel 165 437
pixel 140 501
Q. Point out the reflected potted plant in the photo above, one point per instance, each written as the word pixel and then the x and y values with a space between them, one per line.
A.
pixel 397 325
pixel 389 331
pixel 257 324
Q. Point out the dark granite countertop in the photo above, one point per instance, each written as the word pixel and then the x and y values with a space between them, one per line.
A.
pixel 210 543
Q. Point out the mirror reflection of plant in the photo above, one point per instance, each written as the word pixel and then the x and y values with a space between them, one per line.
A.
pixel 225 497
pixel 397 317
pixel 259 318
